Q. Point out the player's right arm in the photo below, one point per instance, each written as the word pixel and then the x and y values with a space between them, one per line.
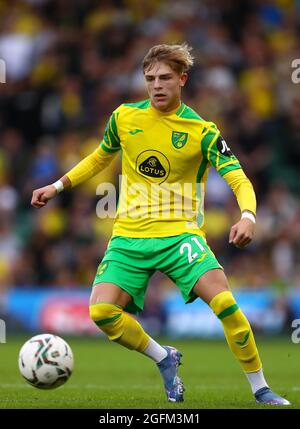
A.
pixel 85 169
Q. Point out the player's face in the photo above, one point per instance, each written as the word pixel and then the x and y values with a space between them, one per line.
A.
pixel 164 86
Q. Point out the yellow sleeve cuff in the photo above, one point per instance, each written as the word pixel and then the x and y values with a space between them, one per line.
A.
pixel 242 189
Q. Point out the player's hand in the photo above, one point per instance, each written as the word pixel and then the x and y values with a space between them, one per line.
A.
pixel 41 196
pixel 242 232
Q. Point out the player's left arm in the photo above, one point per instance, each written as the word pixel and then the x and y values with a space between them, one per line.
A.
pixel 241 233
pixel 218 154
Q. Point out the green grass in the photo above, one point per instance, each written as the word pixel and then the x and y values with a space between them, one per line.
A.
pixel 107 376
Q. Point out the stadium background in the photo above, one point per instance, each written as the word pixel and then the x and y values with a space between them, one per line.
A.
pixel 68 65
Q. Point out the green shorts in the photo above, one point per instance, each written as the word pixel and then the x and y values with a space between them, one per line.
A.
pixel 130 262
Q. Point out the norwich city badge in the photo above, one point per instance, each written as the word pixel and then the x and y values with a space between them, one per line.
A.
pixel 179 139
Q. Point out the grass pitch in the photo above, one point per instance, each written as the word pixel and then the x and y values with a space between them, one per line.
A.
pixel 107 376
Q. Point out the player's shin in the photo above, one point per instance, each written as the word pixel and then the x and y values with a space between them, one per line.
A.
pixel 119 326
pixel 237 331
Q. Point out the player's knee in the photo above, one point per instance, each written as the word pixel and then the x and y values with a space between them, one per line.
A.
pixel 108 317
pixel 101 311
pixel 223 304
pixel 226 309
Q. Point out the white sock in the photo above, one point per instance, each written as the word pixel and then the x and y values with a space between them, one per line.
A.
pixel 257 380
pixel 155 351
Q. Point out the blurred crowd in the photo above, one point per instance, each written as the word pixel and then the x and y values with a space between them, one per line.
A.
pixel 70 63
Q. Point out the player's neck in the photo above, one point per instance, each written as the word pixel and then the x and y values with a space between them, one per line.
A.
pixel 169 111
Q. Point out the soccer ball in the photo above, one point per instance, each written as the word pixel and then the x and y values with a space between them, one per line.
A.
pixel 46 361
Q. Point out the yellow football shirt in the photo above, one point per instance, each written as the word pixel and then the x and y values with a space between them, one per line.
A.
pixel 165 162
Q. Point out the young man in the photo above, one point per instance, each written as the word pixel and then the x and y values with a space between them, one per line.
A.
pixel 166 145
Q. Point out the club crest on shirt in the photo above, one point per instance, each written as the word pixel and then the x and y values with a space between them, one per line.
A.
pixel 179 139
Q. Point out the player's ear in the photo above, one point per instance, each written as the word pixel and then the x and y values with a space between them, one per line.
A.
pixel 183 79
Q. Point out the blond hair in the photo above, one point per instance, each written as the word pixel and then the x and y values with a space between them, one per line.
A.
pixel 178 57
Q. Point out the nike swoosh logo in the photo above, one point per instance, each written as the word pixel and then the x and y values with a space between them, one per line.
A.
pixel 243 343
pixel 135 132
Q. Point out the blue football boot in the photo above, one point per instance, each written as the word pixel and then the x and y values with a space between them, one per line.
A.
pixel 266 396
pixel 168 368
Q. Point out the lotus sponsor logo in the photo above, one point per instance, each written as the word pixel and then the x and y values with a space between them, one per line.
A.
pixel 152 167
pixel 153 164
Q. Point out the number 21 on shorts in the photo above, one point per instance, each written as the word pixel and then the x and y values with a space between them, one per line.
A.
pixel 187 249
